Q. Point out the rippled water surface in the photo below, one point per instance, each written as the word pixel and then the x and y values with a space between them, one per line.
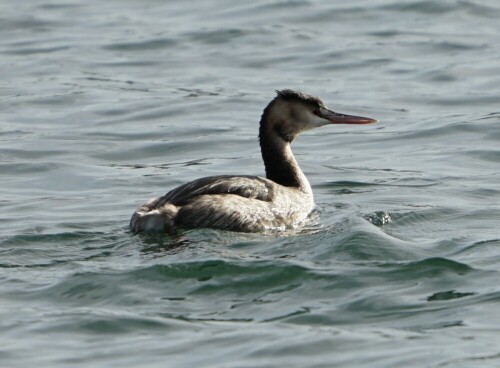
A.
pixel 106 104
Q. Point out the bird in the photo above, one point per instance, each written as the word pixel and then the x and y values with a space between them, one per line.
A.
pixel 246 203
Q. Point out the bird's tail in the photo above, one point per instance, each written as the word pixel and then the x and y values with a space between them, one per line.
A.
pixel 150 218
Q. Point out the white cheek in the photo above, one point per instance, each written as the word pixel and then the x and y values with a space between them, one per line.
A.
pixel 317 122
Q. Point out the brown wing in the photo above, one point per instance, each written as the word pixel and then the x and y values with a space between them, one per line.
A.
pixel 245 186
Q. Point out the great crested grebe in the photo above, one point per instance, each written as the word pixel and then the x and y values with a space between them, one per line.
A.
pixel 244 202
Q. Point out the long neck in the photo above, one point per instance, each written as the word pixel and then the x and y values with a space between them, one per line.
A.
pixel 281 166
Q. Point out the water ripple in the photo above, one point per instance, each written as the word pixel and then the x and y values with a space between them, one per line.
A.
pixel 104 104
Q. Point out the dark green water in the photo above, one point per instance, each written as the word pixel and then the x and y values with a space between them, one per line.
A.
pixel 106 104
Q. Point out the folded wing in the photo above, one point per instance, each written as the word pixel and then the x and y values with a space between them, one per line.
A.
pixel 252 187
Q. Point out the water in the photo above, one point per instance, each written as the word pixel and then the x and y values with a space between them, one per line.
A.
pixel 106 104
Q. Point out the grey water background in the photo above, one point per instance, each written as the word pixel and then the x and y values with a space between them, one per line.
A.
pixel 106 104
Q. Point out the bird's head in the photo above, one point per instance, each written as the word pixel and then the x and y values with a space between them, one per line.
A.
pixel 292 112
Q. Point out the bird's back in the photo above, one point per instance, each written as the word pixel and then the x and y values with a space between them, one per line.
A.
pixel 238 203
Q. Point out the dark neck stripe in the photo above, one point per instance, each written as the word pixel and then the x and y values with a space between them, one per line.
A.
pixel 279 168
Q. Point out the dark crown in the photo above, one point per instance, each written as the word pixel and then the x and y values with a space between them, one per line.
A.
pixel 291 95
